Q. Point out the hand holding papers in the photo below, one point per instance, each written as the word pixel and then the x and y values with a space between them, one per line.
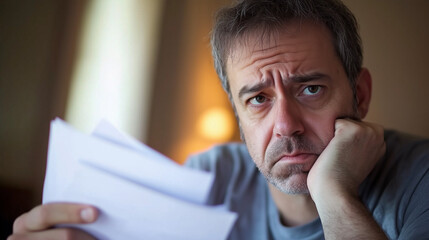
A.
pixel 140 193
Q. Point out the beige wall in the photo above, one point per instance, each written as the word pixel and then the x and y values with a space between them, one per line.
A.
pixel 33 84
pixel 396 50
pixel 33 89
pixel 185 83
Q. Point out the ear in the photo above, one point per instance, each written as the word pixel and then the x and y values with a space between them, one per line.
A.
pixel 363 92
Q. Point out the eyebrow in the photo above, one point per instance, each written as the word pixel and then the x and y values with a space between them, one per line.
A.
pixel 307 78
pixel 296 79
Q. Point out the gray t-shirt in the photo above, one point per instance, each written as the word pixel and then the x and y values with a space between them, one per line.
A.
pixel 396 192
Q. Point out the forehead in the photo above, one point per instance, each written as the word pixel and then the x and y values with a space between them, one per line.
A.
pixel 292 40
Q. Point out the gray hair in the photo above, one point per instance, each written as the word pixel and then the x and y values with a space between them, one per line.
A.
pixel 233 23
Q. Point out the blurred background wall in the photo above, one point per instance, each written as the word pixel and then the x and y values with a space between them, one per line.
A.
pixel 51 62
pixel 37 50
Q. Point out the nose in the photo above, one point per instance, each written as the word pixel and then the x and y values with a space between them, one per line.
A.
pixel 287 119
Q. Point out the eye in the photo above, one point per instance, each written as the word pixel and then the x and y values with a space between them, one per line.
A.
pixel 257 100
pixel 312 90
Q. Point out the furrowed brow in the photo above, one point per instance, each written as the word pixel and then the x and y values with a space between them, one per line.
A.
pixel 247 89
pixel 307 78
pixel 254 88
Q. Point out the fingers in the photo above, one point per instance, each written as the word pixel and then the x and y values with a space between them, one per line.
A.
pixel 53 234
pixel 348 122
pixel 358 130
pixel 349 157
pixel 47 215
pixel 361 139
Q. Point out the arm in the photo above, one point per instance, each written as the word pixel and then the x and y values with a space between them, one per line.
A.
pixel 39 222
pixel 335 178
pixel 345 217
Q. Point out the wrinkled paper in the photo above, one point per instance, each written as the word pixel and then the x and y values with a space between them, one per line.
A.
pixel 140 193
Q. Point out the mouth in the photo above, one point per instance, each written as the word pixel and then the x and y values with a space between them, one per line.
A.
pixel 297 157
pixel 305 159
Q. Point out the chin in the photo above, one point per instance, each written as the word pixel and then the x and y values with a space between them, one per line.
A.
pixel 294 184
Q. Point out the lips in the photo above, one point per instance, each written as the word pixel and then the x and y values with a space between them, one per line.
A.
pixel 306 159
pixel 299 157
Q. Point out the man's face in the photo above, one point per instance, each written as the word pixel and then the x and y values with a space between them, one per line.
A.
pixel 288 90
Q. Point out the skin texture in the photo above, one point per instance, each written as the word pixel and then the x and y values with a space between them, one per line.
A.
pixel 294 105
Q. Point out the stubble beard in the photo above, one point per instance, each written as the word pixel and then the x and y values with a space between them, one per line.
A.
pixel 290 179
pixel 284 181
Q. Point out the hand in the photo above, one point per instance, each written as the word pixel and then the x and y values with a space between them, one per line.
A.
pixel 38 223
pixel 347 160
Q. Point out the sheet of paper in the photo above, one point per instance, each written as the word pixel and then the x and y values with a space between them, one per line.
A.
pixel 129 211
pixel 107 131
pixel 68 145
pixel 139 195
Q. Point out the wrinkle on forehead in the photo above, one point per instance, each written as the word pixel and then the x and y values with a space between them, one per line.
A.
pixel 264 38
pixel 286 58
pixel 262 48
pixel 282 55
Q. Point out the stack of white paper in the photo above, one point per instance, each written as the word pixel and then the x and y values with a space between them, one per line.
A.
pixel 140 193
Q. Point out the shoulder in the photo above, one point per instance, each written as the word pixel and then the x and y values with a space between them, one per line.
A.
pixel 402 169
pixel 220 156
pixel 411 156
pixel 396 190
pixel 409 151
pixel 234 173
pixel 404 141
pixel 406 157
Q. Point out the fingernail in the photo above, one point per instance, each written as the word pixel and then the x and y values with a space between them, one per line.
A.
pixel 87 214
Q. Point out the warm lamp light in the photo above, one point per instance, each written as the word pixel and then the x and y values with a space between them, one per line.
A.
pixel 216 124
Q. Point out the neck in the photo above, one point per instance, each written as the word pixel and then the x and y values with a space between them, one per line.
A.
pixel 295 210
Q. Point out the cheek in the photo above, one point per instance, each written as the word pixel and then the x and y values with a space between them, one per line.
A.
pixel 257 137
pixel 325 127
pixel 322 128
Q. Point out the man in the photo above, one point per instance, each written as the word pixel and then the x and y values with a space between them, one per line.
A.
pixel 292 70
